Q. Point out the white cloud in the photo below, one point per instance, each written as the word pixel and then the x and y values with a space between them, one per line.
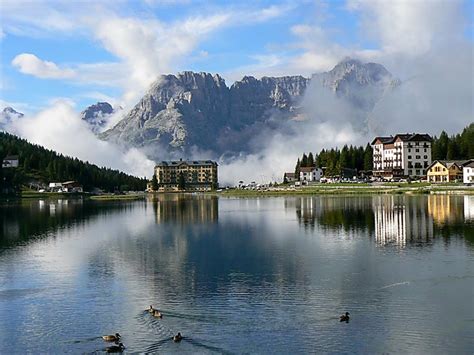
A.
pixel 61 129
pixel 409 27
pixel 30 64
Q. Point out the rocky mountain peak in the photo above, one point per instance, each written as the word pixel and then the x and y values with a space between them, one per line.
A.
pixel 8 115
pixel 198 110
pixel 97 115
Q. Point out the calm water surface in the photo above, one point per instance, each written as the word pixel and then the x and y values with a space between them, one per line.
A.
pixel 269 275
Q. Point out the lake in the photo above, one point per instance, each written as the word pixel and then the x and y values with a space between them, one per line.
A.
pixel 255 275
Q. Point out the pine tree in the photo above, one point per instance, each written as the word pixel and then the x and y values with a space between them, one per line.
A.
pixel 297 169
pixel 310 159
pixel 154 183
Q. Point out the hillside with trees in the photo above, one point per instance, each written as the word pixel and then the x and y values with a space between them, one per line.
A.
pixel 39 164
pixel 444 147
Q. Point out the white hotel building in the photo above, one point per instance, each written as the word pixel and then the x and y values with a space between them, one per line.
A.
pixel 404 155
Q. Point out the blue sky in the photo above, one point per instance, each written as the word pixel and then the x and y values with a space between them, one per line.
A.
pixel 87 51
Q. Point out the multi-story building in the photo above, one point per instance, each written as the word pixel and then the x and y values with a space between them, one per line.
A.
pixel 197 175
pixel 403 155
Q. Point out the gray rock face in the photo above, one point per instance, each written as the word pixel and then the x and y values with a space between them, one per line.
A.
pixel 96 115
pixel 198 109
pixel 9 115
pixel 361 84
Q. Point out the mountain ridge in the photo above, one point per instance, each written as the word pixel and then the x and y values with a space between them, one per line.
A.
pixel 199 111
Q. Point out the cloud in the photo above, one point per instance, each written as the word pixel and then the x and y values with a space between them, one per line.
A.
pixel 30 64
pixel 409 27
pixel 61 129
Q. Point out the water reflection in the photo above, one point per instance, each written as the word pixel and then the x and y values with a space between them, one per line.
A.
pixel 182 208
pixel 224 271
pixel 338 212
pixel 27 219
pixel 398 220
pixel 392 219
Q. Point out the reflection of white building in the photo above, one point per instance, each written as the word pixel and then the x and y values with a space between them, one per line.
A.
pixel 399 219
pixel 468 207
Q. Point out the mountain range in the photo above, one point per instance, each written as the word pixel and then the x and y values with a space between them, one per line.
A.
pixel 197 112
pixel 188 111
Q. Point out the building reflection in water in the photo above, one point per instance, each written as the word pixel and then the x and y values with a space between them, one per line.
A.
pixel 469 208
pixel 185 208
pixel 445 208
pixel 401 219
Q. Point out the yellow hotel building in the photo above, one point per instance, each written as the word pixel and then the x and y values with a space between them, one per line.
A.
pixel 180 175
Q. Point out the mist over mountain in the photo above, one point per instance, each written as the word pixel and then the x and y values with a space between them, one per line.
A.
pixel 9 115
pixel 190 112
pixel 97 115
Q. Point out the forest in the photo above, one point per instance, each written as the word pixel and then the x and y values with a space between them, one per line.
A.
pixel 456 147
pixel 38 164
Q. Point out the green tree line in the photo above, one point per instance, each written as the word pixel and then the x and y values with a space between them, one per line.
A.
pixel 444 147
pixel 40 164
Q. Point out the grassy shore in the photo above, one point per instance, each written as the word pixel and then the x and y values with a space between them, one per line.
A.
pixel 127 197
pixel 336 189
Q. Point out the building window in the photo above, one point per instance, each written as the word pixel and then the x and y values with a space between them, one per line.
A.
pixel 426 157
pixel 409 150
pixel 418 157
pixel 425 150
pixel 409 157
pixel 417 150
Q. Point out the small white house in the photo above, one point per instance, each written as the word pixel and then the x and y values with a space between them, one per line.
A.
pixel 468 173
pixel 10 161
pixel 311 174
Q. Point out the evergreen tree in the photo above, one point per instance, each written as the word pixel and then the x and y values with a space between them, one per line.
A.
pixel 310 159
pixel 154 183
pixel 368 158
pixel 297 169
pixel 304 161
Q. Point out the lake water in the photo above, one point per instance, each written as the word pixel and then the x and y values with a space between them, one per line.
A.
pixel 263 275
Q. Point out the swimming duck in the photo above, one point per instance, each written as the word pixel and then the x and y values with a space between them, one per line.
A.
pixel 115 337
pixel 177 338
pixel 345 317
pixel 115 348
pixel 151 309
pixel 157 314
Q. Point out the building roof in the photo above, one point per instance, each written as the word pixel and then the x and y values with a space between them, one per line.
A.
pixel 448 163
pixel 187 162
pixel 290 175
pixel 307 169
pixel 407 137
pixel 469 164
pixel 11 157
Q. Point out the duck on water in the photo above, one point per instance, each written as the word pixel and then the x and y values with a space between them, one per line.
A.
pixel 115 337
pixel 345 317
pixel 177 338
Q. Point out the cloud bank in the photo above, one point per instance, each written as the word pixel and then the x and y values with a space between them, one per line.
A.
pixel 61 129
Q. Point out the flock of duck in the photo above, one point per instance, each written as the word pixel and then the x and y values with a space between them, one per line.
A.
pixel 119 347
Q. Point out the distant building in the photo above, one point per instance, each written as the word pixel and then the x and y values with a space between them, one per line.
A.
pixel 10 161
pixel 289 177
pixel 468 172
pixel 71 186
pixel 404 155
pixel 180 175
pixel 55 186
pixel 445 171
pixel 310 174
